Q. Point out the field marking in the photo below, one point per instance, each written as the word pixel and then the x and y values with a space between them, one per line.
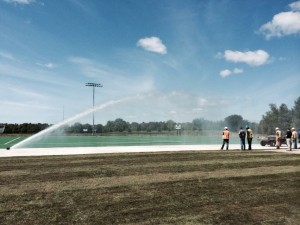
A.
pixel 12 140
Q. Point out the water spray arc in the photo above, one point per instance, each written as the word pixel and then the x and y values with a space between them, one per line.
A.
pixel 76 117
pixel 93 85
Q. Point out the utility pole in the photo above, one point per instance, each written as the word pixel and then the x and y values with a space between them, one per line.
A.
pixel 93 85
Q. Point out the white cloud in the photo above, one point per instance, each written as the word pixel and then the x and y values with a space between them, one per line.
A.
pixel 24 2
pixel 7 55
pixel 295 6
pixel 47 65
pixel 237 71
pixel 152 44
pixel 284 23
pixel 252 58
pixel 226 73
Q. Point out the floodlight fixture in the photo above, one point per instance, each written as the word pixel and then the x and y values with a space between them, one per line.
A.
pixel 93 85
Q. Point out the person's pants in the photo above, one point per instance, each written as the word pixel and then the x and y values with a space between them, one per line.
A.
pixel 289 144
pixel 295 143
pixel 278 142
pixel 243 145
pixel 249 140
pixel 225 141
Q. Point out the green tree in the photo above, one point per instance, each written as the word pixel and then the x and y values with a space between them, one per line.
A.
pixel 99 128
pixel 269 121
pixel 234 122
pixel 284 117
pixel 170 125
pixel 197 124
pixel 119 125
pixel 76 128
pixel 296 114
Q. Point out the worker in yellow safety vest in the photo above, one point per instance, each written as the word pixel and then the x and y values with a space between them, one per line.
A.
pixel 249 135
pixel 278 137
pixel 294 138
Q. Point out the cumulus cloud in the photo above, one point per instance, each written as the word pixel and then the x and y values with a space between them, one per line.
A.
pixel 24 2
pixel 295 6
pixel 252 58
pixel 152 44
pixel 284 23
pixel 226 73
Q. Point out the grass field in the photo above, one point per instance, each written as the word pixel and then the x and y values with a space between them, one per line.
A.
pixel 206 187
pixel 92 141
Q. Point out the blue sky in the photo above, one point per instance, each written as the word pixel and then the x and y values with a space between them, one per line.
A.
pixel 156 59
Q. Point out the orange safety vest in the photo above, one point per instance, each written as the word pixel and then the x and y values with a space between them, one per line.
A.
pixel 226 134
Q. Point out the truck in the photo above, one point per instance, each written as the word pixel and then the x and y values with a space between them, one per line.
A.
pixel 271 140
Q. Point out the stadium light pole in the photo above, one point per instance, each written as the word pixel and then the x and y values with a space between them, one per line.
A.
pixel 93 85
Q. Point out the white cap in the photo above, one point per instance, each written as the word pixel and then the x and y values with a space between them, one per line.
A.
pixel 293 128
pixel 277 128
pixel 225 128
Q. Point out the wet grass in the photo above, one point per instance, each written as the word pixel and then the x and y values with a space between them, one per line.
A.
pixel 156 188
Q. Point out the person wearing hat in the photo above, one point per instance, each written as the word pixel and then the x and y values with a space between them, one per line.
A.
pixel 294 138
pixel 249 135
pixel 278 138
pixel 225 137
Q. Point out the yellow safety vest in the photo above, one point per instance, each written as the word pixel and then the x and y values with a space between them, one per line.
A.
pixel 294 134
pixel 278 133
pixel 249 133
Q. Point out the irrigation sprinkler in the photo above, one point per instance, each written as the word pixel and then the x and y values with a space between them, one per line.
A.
pixel 93 85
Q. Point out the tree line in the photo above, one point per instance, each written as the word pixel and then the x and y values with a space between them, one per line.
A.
pixel 120 125
pixel 281 117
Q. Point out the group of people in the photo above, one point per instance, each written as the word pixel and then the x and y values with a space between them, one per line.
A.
pixel 242 134
pixel 291 138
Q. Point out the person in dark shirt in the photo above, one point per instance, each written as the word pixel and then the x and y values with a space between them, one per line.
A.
pixel 242 136
pixel 288 136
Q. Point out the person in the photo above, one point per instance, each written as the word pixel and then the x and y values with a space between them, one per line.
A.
pixel 242 136
pixel 294 138
pixel 225 137
pixel 278 138
pixel 288 136
pixel 249 135
pixel 299 136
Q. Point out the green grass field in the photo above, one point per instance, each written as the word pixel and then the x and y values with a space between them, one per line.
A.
pixel 155 188
pixel 87 141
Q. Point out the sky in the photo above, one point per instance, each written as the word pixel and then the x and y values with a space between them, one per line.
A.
pixel 155 59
